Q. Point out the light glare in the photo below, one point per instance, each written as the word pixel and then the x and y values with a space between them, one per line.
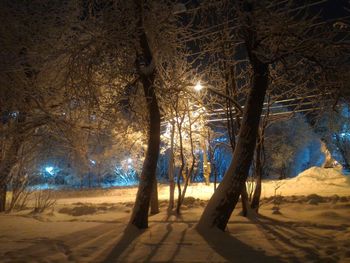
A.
pixel 198 86
pixel 49 169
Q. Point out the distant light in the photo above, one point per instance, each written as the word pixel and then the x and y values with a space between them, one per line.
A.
pixel 93 162
pixel 198 86
pixel 14 114
pixel 344 134
pixel 129 160
pixel 50 170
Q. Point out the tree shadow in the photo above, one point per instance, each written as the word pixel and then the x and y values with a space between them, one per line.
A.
pixel 133 233
pixel 129 235
pixel 155 250
pixel 304 224
pixel 232 249
pixel 39 246
pixel 178 219
pixel 178 246
pixel 290 238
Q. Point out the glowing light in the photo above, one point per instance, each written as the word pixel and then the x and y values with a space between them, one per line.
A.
pixel 344 134
pixel 129 160
pixel 198 86
pixel 49 170
pixel 93 162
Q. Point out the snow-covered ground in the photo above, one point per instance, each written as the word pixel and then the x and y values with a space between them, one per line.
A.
pixel 324 182
pixel 89 226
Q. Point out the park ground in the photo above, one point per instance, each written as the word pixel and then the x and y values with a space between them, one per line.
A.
pixel 312 225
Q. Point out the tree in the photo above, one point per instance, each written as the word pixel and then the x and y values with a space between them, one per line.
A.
pixel 273 36
pixel 106 56
pixel 184 135
pixel 334 129
pixel 25 98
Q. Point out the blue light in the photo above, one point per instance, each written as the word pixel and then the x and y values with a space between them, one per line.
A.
pixel 344 134
pixel 50 170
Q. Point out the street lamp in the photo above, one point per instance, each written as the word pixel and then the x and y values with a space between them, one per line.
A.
pixel 198 86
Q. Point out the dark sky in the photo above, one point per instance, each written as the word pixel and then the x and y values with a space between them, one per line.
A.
pixel 335 9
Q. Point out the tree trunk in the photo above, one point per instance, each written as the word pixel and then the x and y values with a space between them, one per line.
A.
pixel 187 181
pixel 179 195
pixel 189 173
pixel 258 175
pixel 3 190
pixel 99 177
pixel 89 179
pixel 172 194
pixel 179 192
pixel 206 174
pixel 6 166
pixel 154 198
pixel 215 176
pixel 222 203
pixel 139 216
pixel 171 172
pixel 245 202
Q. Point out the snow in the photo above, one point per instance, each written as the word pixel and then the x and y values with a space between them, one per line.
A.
pixel 314 180
pixel 90 226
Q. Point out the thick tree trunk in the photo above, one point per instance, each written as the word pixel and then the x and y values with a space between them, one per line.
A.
pixel 154 199
pixel 139 216
pixel 221 205
pixel 258 175
pixel 245 202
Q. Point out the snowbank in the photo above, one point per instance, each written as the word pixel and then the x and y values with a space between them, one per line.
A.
pixel 323 181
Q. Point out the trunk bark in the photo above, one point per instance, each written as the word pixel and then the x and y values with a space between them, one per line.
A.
pixel 187 181
pixel 139 216
pixel 154 199
pixel 222 203
pixel 189 172
pixel 258 175
pixel 206 174
pixel 171 172
pixel 180 173
pixel 3 190
pixel 179 194
pixel 215 176
pixel 245 202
